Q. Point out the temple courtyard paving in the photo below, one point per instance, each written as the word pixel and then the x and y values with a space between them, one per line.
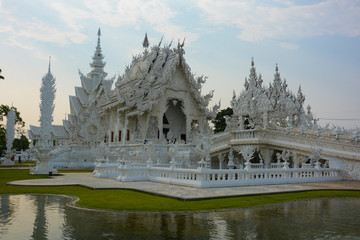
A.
pixel 182 192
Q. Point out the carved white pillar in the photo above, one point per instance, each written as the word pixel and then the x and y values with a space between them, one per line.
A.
pixel 160 126
pixel 109 129
pixel 188 127
pixel 266 154
pixel 221 160
pixel 265 119
pixel 116 135
pixel 124 133
pixel 295 160
pixel 241 122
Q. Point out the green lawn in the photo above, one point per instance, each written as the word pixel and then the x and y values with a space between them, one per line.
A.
pixel 17 165
pixel 118 199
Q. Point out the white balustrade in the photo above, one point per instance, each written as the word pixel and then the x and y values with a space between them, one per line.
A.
pixel 306 165
pixel 256 165
pixel 276 165
pixel 246 134
pixel 215 177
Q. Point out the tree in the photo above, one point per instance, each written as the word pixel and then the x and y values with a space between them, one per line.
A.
pixel 4 109
pixel 1 76
pixel 21 143
pixel 219 121
pixel 2 139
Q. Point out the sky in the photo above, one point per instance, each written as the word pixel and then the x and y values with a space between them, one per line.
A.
pixel 316 44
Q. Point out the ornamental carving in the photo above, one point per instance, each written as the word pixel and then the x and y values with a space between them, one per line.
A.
pixel 91 130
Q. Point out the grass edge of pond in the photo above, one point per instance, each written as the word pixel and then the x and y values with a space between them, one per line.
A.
pixel 131 200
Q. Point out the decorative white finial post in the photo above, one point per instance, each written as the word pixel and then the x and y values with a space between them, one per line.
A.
pixel 10 128
pixel 45 145
pixel 231 164
pixel 247 153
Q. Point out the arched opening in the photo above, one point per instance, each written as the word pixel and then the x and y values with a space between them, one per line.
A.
pixel 174 121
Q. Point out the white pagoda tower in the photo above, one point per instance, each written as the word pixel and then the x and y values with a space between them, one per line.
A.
pixel 45 145
pixel 10 126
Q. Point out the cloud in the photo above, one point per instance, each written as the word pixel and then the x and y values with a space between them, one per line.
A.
pixel 41 31
pixel 289 46
pixel 71 15
pixel 124 13
pixel 20 30
pixel 69 19
pixel 287 20
pixel 15 43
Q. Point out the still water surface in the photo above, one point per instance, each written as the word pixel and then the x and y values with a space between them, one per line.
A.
pixel 48 217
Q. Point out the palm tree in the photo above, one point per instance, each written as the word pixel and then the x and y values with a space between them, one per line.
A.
pixel 1 76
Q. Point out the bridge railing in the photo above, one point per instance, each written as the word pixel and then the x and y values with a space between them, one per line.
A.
pixel 246 134
pixel 204 177
pixel 256 165
pixel 276 165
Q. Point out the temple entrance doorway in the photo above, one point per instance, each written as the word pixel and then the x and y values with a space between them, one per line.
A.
pixel 174 121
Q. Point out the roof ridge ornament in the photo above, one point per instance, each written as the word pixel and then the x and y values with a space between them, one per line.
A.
pixel 161 41
pixel 171 42
pixel 181 45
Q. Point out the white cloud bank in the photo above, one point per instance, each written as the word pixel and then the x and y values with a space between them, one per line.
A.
pixel 156 13
pixel 287 20
pixel 75 16
pixel 277 19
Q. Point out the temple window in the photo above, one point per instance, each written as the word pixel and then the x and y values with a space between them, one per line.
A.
pixel 119 136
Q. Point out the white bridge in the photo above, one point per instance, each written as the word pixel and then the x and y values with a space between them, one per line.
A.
pixel 278 157
pixel 204 177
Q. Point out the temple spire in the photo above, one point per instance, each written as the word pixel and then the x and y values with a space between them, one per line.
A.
pixel 252 62
pixel 99 34
pixel 98 47
pixel 98 64
pixel 145 43
pixel 49 64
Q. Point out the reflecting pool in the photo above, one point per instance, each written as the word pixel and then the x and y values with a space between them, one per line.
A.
pixel 48 217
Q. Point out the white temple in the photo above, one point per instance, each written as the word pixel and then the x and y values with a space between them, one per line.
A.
pixel 153 125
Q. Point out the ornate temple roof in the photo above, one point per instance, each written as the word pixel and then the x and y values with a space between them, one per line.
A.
pixel 93 85
pixel 148 75
pixel 58 131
